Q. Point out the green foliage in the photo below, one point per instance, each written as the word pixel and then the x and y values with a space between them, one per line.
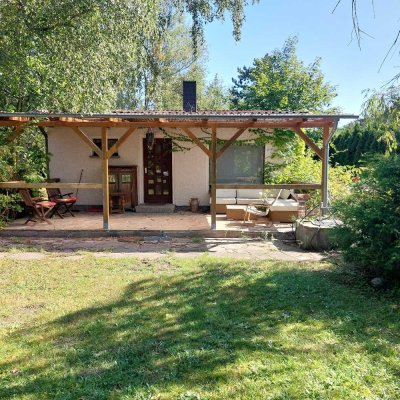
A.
pixel 304 168
pixel 281 81
pixel 79 56
pixel 377 133
pixel 370 234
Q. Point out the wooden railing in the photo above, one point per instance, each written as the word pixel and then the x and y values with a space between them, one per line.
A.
pixel 39 185
pixel 299 186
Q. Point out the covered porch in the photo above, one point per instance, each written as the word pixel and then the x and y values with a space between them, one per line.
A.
pixel 187 124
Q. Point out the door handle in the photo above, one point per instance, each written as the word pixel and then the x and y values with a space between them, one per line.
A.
pixel 145 170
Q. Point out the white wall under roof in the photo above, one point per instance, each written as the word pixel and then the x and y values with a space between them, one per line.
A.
pixel 190 169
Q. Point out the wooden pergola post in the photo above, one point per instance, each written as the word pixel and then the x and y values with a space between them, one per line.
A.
pixel 325 169
pixel 214 178
pixel 104 165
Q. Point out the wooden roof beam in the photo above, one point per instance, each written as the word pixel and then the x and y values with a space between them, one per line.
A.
pixel 88 141
pixel 196 140
pixel 230 141
pixel 17 132
pixel 299 131
pixel 120 141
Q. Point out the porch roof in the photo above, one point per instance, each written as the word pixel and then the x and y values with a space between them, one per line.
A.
pixel 177 118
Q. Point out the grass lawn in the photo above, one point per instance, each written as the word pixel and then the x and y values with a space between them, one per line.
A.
pixel 203 328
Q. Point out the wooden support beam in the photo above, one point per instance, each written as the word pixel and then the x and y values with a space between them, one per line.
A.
pixel 290 186
pixel 17 132
pixel 308 141
pixel 324 172
pixel 214 179
pixel 39 185
pixel 230 141
pixel 87 140
pixel 196 140
pixel 120 141
pixel 104 165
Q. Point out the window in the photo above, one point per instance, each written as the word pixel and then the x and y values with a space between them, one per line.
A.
pixel 241 164
pixel 111 143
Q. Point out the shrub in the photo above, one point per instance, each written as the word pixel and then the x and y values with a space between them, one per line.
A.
pixel 370 234
pixel 305 168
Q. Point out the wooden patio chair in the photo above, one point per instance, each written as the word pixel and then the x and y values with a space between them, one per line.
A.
pixel 37 207
pixel 64 202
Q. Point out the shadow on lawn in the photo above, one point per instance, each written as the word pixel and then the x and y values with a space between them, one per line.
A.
pixel 187 330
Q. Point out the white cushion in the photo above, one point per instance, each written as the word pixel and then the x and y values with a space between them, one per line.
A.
pixel 249 194
pixel 225 200
pixel 246 200
pixel 285 194
pixel 226 193
pixel 285 205
pixel 271 193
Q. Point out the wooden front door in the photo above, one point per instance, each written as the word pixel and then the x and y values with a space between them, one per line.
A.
pixel 158 171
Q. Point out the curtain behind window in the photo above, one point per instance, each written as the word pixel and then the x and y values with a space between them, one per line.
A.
pixel 241 164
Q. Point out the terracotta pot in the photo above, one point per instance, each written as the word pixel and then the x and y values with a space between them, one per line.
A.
pixel 194 205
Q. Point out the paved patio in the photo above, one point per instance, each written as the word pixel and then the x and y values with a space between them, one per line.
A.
pixel 130 222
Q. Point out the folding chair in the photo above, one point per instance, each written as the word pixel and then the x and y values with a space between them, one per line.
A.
pixel 64 202
pixel 37 207
pixel 260 207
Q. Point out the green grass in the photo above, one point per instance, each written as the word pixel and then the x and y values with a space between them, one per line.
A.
pixel 203 328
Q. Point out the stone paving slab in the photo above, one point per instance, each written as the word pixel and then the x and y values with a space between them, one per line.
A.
pixel 244 248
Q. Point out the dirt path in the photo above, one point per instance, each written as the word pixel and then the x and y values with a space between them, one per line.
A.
pixel 153 247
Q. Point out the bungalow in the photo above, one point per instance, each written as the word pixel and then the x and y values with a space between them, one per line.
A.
pixel 165 157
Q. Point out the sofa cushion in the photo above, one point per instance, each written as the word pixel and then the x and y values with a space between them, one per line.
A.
pixel 285 205
pixel 285 194
pixel 249 194
pixel 226 193
pixel 271 193
pixel 225 200
pixel 245 201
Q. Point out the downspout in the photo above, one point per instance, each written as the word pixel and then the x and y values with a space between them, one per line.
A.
pixel 325 198
pixel 46 144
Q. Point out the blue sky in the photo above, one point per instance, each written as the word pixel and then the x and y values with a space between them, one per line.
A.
pixel 321 34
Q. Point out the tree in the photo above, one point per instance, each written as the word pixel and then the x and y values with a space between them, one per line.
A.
pixel 378 132
pixel 281 81
pixel 74 55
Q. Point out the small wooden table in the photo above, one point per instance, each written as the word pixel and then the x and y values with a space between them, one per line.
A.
pixel 237 212
pixel 117 199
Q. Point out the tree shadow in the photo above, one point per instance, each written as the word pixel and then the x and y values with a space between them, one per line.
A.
pixel 187 329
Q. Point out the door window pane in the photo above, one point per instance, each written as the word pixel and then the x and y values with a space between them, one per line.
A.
pixel 126 178
pixel 111 178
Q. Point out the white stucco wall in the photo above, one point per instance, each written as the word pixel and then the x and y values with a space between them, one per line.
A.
pixel 190 169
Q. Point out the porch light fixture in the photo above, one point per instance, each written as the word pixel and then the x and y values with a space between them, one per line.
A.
pixel 150 138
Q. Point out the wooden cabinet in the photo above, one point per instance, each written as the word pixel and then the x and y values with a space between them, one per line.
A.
pixel 124 179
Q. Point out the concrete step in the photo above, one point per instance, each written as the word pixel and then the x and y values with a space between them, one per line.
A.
pixel 155 208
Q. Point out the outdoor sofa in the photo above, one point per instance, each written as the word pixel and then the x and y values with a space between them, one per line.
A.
pixel 284 209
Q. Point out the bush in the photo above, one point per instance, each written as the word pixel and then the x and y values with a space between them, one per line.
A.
pixel 370 234
pixel 304 168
